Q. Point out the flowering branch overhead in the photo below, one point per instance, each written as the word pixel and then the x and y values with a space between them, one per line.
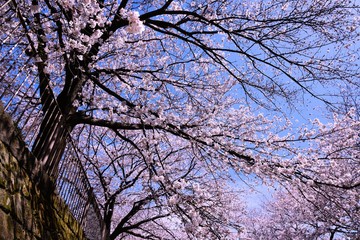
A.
pixel 163 100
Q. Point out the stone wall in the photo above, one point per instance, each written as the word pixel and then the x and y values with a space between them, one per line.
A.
pixel 28 210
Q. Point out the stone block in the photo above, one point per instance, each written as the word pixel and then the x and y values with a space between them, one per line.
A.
pixel 19 232
pixel 66 217
pixel 25 190
pixel 28 215
pixel 6 226
pixel 14 165
pixel 3 178
pixel 5 200
pixel 11 182
pixel 4 156
pixel 19 180
pixel 37 228
pixel 18 207
pixel 75 227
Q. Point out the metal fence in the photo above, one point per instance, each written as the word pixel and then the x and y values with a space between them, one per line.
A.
pixel 21 99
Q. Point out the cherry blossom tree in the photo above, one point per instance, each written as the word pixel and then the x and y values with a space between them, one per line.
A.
pixel 325 204
pixel 159 98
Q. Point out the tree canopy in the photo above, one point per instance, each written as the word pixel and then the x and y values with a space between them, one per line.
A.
pixel 166 102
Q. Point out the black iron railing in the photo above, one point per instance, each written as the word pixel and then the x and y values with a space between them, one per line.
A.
pixel 21 99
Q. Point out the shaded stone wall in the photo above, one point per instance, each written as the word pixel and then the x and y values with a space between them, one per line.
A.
pixel 28 210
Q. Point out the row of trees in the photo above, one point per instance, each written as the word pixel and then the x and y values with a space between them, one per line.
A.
pixel 326 203
pixel 164 98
